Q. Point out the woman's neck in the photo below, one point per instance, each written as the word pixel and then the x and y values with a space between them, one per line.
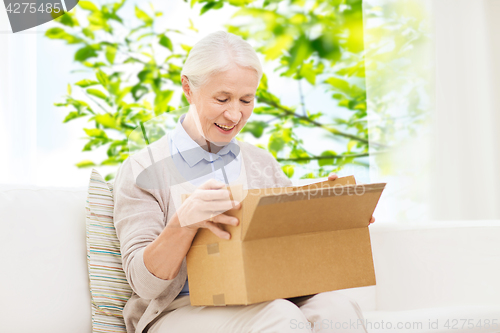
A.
pixel 190 127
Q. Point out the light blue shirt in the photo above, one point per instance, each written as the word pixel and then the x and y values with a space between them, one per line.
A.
pixel 198 165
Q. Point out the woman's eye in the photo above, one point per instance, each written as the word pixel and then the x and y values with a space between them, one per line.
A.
pixel 246 102
pixel 222 101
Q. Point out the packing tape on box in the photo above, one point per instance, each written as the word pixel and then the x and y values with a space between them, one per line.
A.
pixel 213 248
pixel 219 299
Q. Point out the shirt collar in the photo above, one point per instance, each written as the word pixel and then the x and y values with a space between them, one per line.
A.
pixel 192 152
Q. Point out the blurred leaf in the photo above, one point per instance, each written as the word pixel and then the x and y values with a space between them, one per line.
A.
pixel 88 33
pixel 85 164
pixel 96 93
pixel 166 42
pixel 118 5
pixel 95 132
pixel 263 82
pixel 110 161
pixel 111 54
pixel 211 5
pixel 351 145
pixel 102 78
pixel 68 19
pixel 280 44
pixel 87 5
pixel 107 121
pixel 191 26
pixel 255 127
pixel 308 175
pixel 327 161
pixel 355 42
pixel 116 147
pixel 239 3
pixel 186 48
pixel 138 91
pixel 161 101
pixel 300 154
pixel 276 143
pixel 300 52
pixel 288 170
pixel 141 15
pixel 73 115
pixel 110 176
pixel 86 83
pixel 85 53
pixel 94 143
pixel 339 84
pixel 307 71
pixel 59 33
pixel 327 46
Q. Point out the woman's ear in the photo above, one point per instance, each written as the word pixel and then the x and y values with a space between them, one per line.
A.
pixel 186 88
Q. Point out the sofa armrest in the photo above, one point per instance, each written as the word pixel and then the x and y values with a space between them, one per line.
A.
pixel 436 263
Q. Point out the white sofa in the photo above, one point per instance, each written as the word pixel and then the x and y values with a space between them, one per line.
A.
pixel 427 273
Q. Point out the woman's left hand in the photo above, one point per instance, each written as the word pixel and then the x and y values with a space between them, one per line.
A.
pixel 333 176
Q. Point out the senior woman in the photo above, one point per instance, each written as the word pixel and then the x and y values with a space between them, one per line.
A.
pixel 219 79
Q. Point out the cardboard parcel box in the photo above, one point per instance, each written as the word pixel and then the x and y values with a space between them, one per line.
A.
pixel 290 241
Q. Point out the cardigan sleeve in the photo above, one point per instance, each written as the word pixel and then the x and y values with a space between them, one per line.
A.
pixel 138 220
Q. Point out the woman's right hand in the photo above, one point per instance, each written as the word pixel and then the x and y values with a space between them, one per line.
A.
pixel 205 208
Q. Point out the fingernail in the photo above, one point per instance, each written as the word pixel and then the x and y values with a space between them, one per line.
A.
pixel 226 236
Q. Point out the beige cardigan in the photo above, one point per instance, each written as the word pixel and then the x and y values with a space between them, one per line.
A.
pixel 142 211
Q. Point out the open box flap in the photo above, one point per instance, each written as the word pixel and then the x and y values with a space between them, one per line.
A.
pixel 313 209
pixel 254 195
pixel 348 180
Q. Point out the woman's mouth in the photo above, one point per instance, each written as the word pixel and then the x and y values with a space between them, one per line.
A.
pixel 225 128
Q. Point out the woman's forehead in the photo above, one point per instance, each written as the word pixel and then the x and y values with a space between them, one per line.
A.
pixel 224 92
pixel 235 76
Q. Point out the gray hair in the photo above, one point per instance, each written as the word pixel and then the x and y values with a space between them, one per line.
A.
pixel 215 53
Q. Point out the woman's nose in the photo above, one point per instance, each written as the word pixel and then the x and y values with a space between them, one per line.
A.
pixel 233 114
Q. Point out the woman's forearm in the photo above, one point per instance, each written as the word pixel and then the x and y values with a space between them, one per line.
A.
pixel 163 257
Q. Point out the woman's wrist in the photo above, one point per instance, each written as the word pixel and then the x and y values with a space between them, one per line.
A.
pixel 174 241
pixel 174 223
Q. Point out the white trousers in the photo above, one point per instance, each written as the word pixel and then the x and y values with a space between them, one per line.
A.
pixel 323 312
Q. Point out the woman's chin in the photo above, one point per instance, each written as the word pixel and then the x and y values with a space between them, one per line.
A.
pixel 223 137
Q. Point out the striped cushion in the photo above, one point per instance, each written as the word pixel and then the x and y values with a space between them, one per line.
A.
pixel 109 288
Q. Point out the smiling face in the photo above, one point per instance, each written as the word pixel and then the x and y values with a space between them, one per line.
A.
pixel 222 106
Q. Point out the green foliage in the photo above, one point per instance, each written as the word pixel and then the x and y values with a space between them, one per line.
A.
pixel 400 42
pixel 319 42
